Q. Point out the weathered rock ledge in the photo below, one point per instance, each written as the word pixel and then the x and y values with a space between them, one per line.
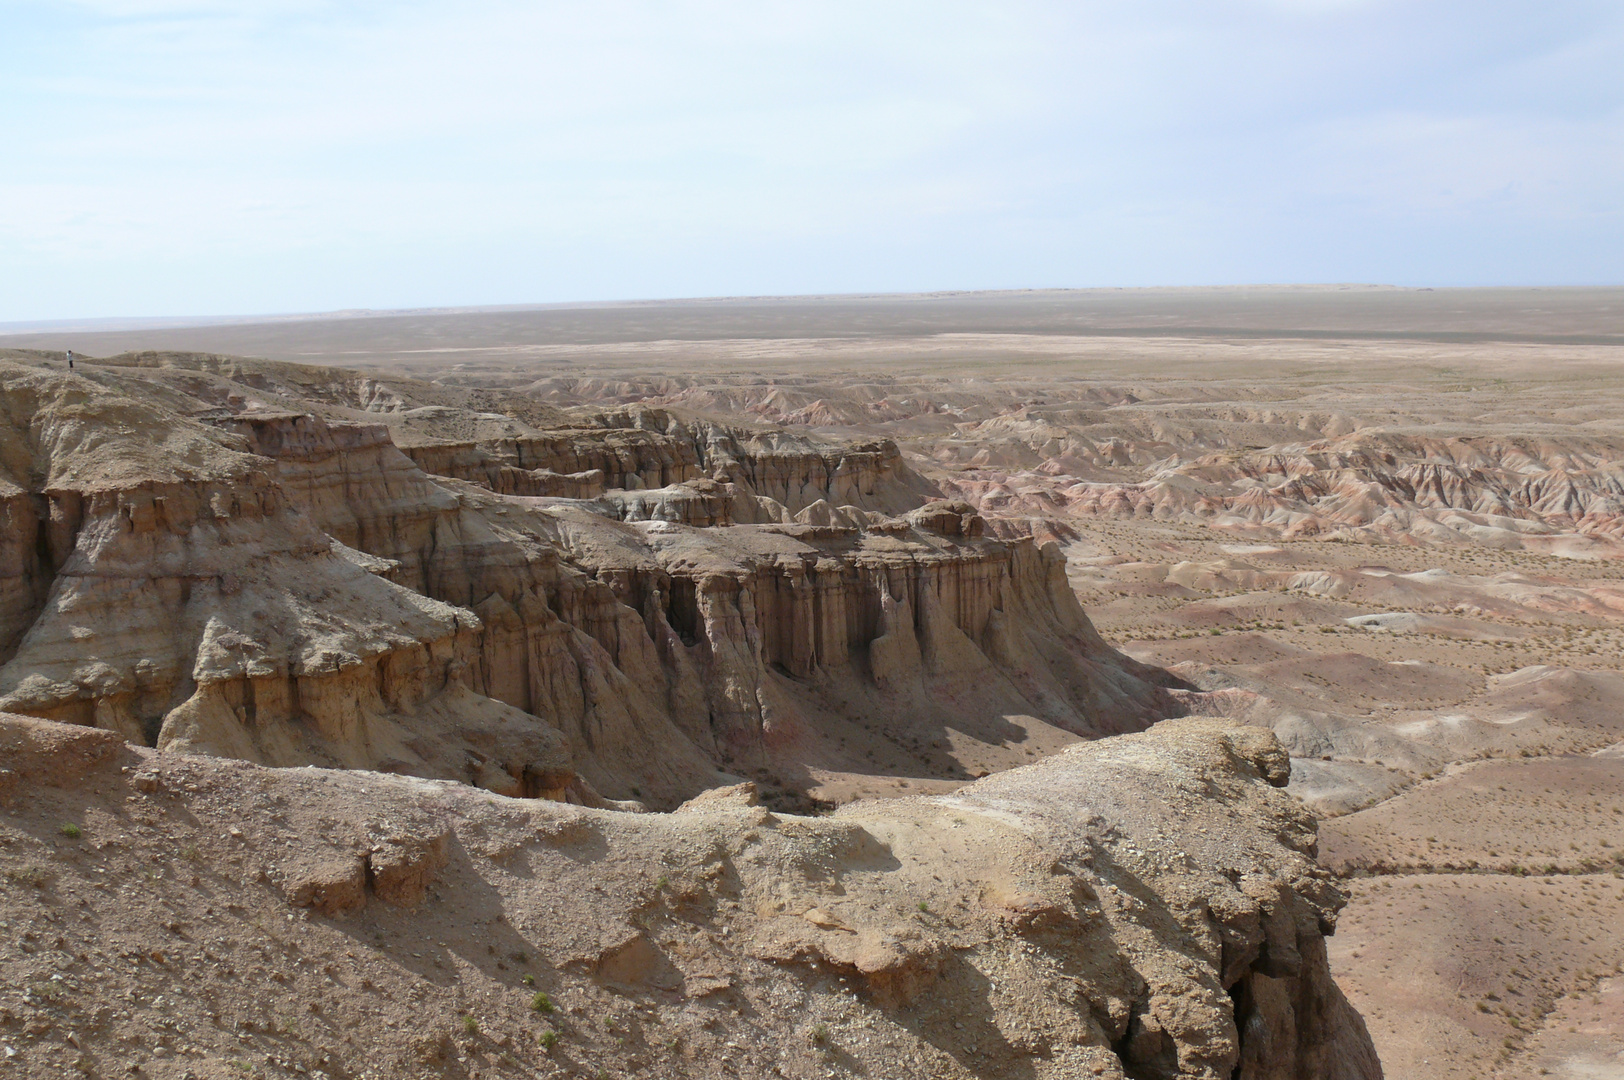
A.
pixel 1146 906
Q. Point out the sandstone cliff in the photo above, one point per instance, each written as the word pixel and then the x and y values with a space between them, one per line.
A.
pixel 289 587
pixel 764 475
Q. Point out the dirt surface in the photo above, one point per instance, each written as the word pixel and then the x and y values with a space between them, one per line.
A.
pixel 1468 975
pixel 1500 816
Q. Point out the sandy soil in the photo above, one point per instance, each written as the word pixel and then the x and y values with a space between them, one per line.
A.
pixel 1463 975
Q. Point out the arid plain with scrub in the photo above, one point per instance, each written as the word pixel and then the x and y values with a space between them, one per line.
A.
pixel 519 582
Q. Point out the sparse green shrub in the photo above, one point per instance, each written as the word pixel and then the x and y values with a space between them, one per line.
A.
pixel 542 1003
pixel 529 980
pixel 36 876
pixel 71 831
pixel 47 991
pixel 470 1025
pixel 548 1039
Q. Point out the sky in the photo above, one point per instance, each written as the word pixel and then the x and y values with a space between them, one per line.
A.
pixel 206 157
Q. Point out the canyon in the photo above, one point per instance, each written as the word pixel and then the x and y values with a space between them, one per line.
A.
pixel 1206 684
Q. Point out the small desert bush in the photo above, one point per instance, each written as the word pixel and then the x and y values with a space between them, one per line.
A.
pixel 36 876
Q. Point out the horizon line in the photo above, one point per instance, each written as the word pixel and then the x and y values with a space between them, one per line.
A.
pixel 114 323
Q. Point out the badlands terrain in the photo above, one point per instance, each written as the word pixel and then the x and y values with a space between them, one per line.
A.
pixel 1195 683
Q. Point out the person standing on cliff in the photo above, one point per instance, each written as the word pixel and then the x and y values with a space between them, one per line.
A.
pixel 70 359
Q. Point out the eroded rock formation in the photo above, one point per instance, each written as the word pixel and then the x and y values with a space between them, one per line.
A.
pixel 288 587
pixel 221 567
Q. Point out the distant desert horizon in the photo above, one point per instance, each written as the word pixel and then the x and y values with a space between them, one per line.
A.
pixel 1579 314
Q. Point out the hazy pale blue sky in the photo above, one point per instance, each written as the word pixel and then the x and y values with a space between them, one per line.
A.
pixel 210 157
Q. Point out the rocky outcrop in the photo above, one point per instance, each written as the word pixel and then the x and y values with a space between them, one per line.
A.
pixel 24 581
pixel 797 472
pixel 646 449
pixel 761 629
pixel 572 463
pixel 703 503
pixel 204 610
pixel 713 618
pixel 1141 907
pixel 302 592
pixel 474 463
pixel 1128 880
pixel 214 617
